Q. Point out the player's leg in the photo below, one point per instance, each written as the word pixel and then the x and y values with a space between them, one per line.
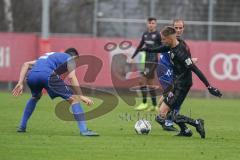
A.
pixel 143 88
pixel 197 123
pixel 164 109
pixel 180 94
pixel 174 100
pixel 30 107
pixel 57 88
pixel 162 117
pixel 167 125
pixel 79 116
pixel 152 91
pixel 36 90
pixel 185 131
pixel 150 68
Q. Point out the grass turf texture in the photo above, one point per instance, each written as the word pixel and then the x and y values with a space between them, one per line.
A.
pixel 48 137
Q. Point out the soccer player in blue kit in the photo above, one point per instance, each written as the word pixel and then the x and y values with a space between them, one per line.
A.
pixel 44 73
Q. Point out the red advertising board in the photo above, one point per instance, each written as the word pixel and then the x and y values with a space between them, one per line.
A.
pixel 219 61
pixel 15 49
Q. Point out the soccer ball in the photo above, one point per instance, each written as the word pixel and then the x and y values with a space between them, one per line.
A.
pixel 142 127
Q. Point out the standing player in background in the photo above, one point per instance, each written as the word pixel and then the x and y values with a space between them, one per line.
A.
pixel 182 71
pixel 151 38
pixel 45 74
pixel 178 24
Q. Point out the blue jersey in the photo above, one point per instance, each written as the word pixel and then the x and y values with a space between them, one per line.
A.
pixel 165 71
pixel 50 62
pixel 40 76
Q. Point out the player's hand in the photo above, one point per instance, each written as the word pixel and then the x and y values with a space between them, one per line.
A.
pixel 214 91
pixel 17 90
pixel 194 60
pixel 86 100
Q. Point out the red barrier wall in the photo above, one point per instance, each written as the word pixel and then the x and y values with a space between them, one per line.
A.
pixel 15 49
pixel 219 61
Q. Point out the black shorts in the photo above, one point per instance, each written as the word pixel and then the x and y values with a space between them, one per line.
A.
pixel 175 100
pixel 149 70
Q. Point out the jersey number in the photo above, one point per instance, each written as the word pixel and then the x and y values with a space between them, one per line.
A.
pixel 46 55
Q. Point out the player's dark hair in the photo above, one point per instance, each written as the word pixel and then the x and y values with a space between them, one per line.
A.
pixel 151 19
pixel 178 20
pixel 168 30
pixel 71 51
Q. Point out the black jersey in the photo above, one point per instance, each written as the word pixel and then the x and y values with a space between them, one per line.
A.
pixel 182 64
pixel 150 40
pixel 186 45
pixel 181 58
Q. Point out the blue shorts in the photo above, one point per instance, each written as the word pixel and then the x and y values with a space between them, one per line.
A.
pixel 54 85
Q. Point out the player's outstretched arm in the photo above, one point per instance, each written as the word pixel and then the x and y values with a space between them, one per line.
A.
pixel 212 90
pixel 140 45
pixel 18 89
pixel 76 87
pixel 159 49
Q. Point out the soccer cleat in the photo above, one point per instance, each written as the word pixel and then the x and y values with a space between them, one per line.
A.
pixel 186 133
pixel 159 120
pixel 21 130
pixel 89 133
pixel 200 127
pixel 151 109
pixel 141 107
pixel 169 128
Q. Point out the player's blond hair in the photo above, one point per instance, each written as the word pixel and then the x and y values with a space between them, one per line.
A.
pixel 168 30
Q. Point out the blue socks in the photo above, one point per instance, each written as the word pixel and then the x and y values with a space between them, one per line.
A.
pixel 31 104
pixel 76 108
pixel 79 116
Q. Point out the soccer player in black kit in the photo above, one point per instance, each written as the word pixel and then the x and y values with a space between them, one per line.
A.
pixel 151 38
pixel 182 70
pixel 179 26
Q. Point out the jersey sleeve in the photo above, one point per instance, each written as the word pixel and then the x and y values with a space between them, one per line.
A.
pixel 200 75
pixel 185 57
pixel 159 49
pixel 140 45
pixel 159 39
pixel 187 47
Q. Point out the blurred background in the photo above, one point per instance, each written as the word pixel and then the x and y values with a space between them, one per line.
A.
pixel 28 28
pixel 217 19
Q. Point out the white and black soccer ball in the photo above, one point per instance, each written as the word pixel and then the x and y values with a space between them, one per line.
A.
pixel 142 127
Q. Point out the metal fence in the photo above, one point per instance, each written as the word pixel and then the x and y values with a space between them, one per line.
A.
pixel 205 19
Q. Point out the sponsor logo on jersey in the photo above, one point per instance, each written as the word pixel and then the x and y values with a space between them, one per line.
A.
pixel 154 36
pixel 149 42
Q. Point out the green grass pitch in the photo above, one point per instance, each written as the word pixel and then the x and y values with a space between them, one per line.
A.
pixel 48 137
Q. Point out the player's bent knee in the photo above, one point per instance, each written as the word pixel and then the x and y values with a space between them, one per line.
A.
pixel 164 109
